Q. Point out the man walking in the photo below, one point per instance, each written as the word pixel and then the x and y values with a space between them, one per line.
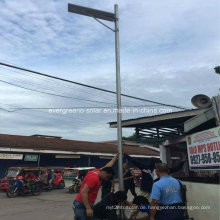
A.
pixel 85 199
pixel 166 196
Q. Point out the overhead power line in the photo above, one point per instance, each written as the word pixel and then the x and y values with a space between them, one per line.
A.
pixel 89 86
pixel 53 94
pixel 49 82
pixel 76 107
pixel 62 119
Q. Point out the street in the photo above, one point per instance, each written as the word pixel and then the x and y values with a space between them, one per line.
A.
pixel 56 204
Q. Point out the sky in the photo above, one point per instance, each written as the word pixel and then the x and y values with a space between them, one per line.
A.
pixel 168 50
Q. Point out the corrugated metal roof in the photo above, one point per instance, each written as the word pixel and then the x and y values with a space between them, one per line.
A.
pixel 41 143
pixel 151 116
pixel 157 118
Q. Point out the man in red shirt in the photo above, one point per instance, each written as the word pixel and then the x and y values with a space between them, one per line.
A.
pixel 89 190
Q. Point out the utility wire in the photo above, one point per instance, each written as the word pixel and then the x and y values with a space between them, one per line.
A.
pixel 53 94
pixel 50 91
pixel 52 81
pixel 3 109
pixel 77 107
pixel 62 119
pixel 88 86
pixel 49 82
pixel 126 104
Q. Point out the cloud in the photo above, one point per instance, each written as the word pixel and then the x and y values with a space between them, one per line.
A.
pixel 168 52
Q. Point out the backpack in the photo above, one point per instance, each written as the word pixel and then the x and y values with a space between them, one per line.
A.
pixel 183 190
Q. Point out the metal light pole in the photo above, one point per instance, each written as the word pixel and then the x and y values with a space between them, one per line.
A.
pixel 113 17
pixel 118 89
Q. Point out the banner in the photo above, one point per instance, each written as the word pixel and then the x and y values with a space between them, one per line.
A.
pixel 11 156
pixel 204 150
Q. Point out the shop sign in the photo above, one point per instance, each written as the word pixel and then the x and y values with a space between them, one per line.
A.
pixel 11 156
pixel 204 150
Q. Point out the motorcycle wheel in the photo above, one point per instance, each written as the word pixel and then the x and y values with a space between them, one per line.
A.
pixel 36 191
pixel 49 188
pixel 71 190
pixel 61 185
pixel 11 193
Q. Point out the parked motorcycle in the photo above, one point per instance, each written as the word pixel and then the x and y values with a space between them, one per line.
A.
pixel 75 186
pixel 58 183
pixel 20 187
pixel 73 177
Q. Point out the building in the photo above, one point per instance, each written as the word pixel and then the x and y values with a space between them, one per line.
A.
pixel 158 128
pixel 38 150
pixel 172 133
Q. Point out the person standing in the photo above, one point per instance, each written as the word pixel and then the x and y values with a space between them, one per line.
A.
pixel 108 186
pixel 44 177
pixel 51 177
pixel 149 176
pixel 147 171
pixel 129 180
pixel 166 196
pixel 85 199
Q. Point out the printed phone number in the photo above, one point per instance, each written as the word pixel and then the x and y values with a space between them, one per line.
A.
pixel 206 158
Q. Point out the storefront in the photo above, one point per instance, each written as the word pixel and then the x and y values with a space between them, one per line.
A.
pixel 195 133
pixel 201 143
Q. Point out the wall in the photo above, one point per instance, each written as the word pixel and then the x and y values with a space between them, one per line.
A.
pixel 201 194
